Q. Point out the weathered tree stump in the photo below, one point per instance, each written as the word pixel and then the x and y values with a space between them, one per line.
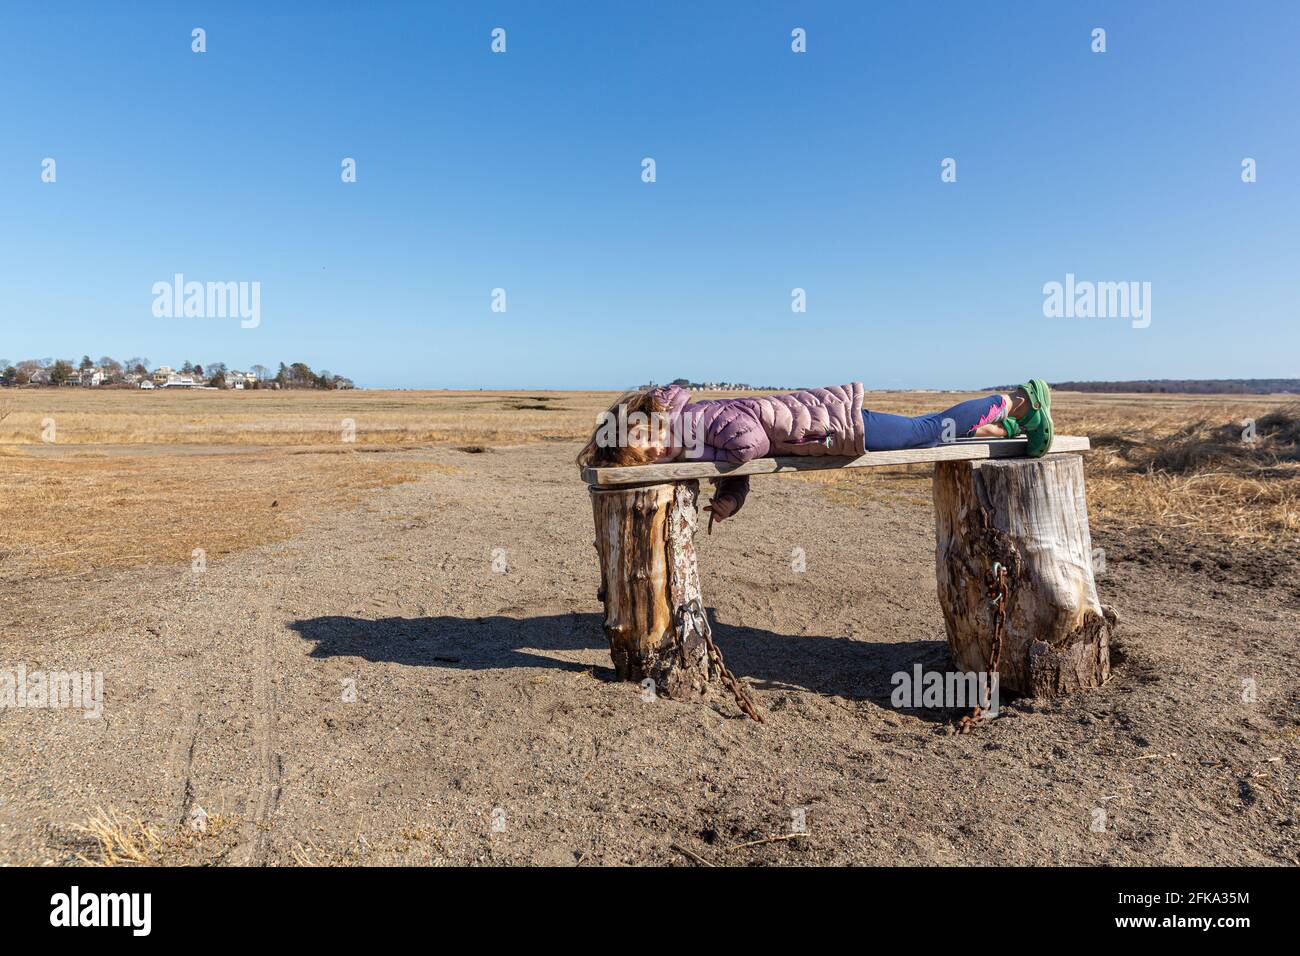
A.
pixel 645 536
pixel 1031 517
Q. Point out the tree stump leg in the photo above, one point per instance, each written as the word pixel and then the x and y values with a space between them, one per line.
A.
pixel 646 540
pixel 1029 515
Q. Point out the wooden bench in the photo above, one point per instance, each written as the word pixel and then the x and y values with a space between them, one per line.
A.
pixel 1013 560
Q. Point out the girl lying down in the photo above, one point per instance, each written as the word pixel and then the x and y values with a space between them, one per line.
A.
pixel 657 425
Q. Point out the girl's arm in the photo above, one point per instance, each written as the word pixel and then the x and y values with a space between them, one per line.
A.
pixel 734 491
pixel 738 437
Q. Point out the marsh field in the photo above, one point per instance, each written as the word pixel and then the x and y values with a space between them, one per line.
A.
pixel 361 627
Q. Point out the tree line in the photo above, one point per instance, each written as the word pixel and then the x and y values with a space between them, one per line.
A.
pixel 1198 386
pixel 131 371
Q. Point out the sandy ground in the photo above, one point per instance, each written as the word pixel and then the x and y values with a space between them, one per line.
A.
pixel 486 726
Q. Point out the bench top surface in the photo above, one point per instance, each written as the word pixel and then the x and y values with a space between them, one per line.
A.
pixel 960 450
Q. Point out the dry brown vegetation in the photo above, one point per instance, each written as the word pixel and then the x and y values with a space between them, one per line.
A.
pixel 135 478
pixel 78 513
pixel 1237 480
pixel 265 417
pixel 116 839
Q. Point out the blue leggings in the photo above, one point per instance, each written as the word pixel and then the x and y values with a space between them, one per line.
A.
pixel 887 432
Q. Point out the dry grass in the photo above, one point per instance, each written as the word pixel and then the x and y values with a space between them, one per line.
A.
pixel 170 417
pixel 83 512
pixel 1205 477
pixel 1174 462
pixel 121 840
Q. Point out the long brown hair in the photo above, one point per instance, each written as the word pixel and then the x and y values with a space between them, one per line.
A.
pixel 601 455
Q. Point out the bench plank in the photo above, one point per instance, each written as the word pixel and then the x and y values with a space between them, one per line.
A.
pixel 960 450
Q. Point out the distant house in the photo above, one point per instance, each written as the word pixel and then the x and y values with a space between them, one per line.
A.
pixel 162 373
pixel 40 376
pixel 180 381
pixel 146 383
pixel 90 377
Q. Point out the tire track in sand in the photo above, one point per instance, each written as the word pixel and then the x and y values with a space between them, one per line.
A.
pixel 180 763
pixel 254 848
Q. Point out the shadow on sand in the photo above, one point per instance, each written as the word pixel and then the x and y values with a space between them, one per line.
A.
pixel 854 669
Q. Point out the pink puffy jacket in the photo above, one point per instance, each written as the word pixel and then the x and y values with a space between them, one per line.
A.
pixel 815 421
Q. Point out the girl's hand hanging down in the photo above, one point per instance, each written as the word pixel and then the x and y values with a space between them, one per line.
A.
pixel 729 496
pixel 722 507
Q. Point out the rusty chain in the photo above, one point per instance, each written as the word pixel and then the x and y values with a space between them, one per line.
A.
pixel 693 615
pixel 998 588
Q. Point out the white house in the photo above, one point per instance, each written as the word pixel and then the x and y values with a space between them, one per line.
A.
pixel 240 379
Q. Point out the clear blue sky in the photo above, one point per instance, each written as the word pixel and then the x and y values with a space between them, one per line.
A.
pixel 775 170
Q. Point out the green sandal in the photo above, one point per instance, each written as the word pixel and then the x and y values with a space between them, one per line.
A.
pixel 1037 423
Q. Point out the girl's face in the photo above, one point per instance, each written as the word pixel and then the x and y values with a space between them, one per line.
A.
pixel 645 437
